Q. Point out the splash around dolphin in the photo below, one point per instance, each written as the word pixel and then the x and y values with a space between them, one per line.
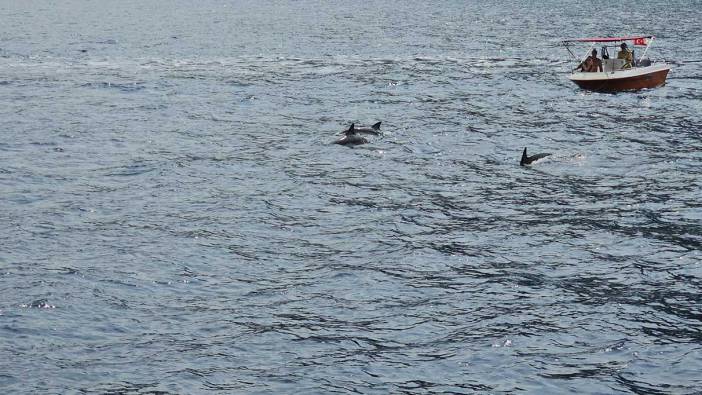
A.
pixel 527 160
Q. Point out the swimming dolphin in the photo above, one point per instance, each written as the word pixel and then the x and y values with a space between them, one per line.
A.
pixel 527 160
pixel 373 130
pixel 351 138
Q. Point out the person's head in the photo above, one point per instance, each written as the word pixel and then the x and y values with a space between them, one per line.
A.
pixel 594 53
pixel 623 45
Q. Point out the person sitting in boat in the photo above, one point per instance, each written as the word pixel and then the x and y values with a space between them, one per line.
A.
pixel 592 64
pixel 626 55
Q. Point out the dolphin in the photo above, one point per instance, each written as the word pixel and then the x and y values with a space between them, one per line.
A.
pixel 351 138
pixel 527 160
pixel 373 130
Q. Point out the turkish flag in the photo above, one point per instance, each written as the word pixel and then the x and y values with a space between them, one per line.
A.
pixel 640 41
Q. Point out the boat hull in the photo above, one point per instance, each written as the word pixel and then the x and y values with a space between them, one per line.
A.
pixel 623 80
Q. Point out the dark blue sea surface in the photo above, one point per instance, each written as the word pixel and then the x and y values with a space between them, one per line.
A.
pixel 174 218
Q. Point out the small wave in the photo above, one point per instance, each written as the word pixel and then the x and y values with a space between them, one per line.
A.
pixel 39 304
pixel 124 87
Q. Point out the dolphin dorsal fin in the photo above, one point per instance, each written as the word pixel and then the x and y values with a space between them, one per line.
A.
pixel 350 130
pixel 376 126
pixel 525 158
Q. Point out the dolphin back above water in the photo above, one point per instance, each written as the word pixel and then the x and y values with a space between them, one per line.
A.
pixel 373 130
pixel 351 137
pixel 527 160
